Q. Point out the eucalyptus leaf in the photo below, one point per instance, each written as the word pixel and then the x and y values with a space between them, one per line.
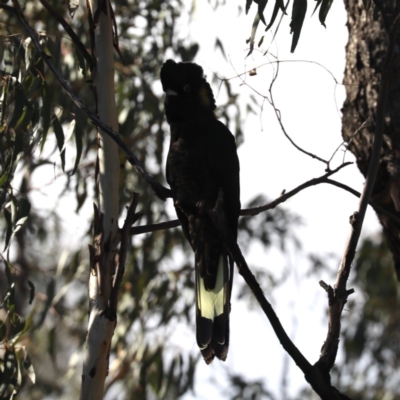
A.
pixel 278 5
pixel 79 148
pixel 261 7
pixel 45 111
pixel 31 291
pixel 253 33
pixel 70 132
pixel 298 14
pixel 323 11
pixel 58 131
pixel 248 5
pixel 4 177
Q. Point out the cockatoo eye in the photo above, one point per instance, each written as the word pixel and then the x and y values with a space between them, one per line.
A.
pixel 186 88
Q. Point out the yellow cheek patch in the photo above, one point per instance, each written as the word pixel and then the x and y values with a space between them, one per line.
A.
pixel 204 97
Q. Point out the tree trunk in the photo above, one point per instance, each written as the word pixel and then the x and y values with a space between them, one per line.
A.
pixel 102 318
pixel 365 54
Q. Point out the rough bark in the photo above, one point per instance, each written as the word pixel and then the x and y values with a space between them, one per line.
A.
pixel 365 54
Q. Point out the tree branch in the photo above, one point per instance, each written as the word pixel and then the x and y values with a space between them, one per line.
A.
pixel 137 230
pixel 319 380
pixel 338 295
pixel 287 195
pixel 277 111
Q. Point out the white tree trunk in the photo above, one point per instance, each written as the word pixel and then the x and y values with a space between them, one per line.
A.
pixel 101 320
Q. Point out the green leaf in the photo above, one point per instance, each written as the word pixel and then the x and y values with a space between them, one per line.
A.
pixel 19 104
pixel 316 6
pixel 323 11
pixel 21 118
pixel 218 44
pixel 298 14
pixel 279 23
pixel 21 325
pixel 7 216
pixel 248 5
pixel 4 177
pixel 34 86
pixel 31 291
pixel 20 210
pixel 3 331
pixel 261 7
pixel 58 131
pixel 253 33
pixel 45 112
pixel 70 132
pixel 278 5
pixel 79 148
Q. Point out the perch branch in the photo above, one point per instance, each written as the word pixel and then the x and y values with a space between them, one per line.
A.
pixel 319 381
pixel 137 230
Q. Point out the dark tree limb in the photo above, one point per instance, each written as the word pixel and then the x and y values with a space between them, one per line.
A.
pixel 337 296
pixel 137 230
pixel 291 193
pixel 316 376
pixel 372 203
pixel 162 192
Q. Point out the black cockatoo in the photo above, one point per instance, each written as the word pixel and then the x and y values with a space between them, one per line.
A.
pixel 202 166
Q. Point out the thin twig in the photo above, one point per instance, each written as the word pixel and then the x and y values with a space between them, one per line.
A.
pixel 278 112
pixel 279 118
pixel 291 193
pixel 359 129
pixel 137 230
pixel 372 203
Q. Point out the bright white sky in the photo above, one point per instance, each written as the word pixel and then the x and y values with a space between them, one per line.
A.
pixel 310 103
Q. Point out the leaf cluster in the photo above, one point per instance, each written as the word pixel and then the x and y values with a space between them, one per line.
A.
pixel 299 10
